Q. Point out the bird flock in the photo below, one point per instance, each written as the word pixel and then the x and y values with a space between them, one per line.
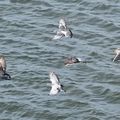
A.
pixel 56 86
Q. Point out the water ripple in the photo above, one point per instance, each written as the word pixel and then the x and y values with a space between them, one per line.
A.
pixel 92 89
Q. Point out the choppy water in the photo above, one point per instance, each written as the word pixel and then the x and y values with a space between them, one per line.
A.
pixel 26 31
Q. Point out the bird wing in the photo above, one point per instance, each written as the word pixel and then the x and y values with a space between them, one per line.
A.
pixel 3 62
pixel 70 33
pixel 117 57
pixel 1 70
pixel 62 24
pixel 54 78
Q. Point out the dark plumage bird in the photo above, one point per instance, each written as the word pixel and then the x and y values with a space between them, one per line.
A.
pixel 3 74
pixel 72 60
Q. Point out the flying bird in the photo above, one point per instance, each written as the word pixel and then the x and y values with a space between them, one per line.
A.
pixel 56 85
pixel 3 73
pixel 63 30
pixel 117 56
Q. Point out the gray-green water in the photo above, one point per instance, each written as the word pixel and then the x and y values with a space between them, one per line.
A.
pixel 26 31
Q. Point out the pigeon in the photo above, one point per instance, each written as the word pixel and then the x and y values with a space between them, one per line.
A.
pixel 63 30
pixel 56 86
pixel 117 56
pixel 3 74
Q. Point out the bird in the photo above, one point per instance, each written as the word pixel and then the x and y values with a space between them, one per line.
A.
pixel 3 74
pixel 63 30
pixel 56 86
pixel 71 60
pixel 117 56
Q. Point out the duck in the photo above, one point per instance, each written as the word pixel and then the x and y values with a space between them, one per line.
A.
pixel 63 30
pixel 56 86
pixel 3 74
pixel 72 60
pixel 117 56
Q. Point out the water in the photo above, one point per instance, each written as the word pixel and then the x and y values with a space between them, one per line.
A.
pixel 92 89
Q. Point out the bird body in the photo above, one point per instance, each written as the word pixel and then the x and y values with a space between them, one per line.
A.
pixel 73 59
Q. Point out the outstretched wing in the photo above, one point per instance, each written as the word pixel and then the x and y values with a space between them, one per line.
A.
pixel 62 24
pixel 3 62
pixel 54 78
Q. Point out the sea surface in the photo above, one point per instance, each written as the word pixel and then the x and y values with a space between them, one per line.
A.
pixel 27 28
